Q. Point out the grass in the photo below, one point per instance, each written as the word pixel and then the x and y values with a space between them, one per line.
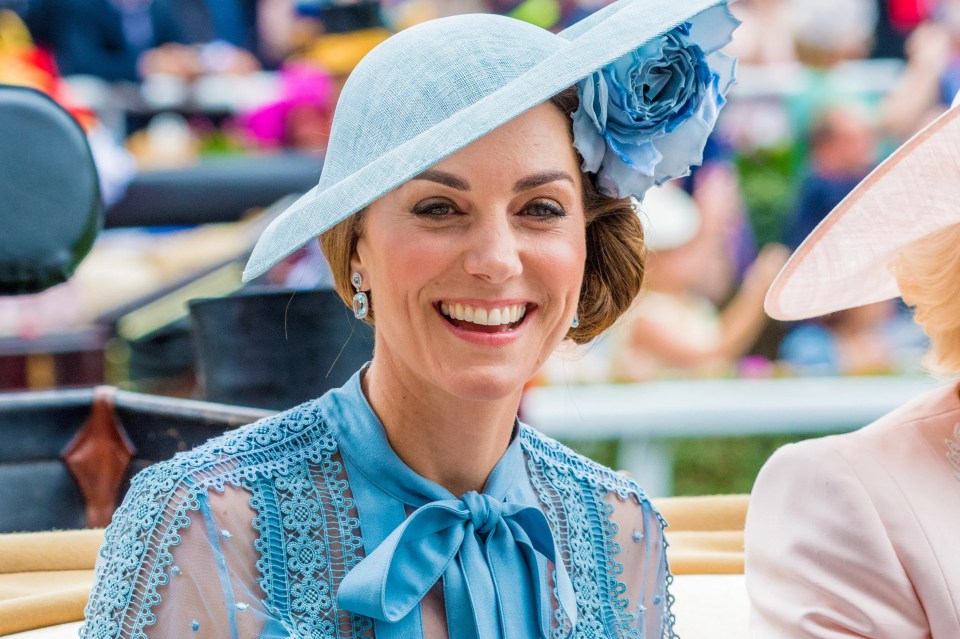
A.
pixel 705 466
pixel 724 465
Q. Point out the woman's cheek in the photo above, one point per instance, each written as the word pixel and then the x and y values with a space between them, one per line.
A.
pixel 418 260
pixel 562 255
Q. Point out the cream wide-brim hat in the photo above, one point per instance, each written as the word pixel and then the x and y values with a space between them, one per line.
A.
pixel 434 88
pixel 846 261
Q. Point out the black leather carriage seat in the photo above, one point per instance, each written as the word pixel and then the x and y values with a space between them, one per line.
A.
pixel 67 456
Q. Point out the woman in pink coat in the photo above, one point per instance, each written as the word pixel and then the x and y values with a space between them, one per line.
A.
pixel 856 535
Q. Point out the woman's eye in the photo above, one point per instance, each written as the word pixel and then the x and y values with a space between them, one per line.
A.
pixel 544 209
pixel 434 208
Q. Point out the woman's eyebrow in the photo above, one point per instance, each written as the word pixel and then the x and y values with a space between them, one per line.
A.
pixel 539 179
pixel 444 178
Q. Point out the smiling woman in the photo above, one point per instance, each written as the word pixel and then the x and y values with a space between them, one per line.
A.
pixel 470 210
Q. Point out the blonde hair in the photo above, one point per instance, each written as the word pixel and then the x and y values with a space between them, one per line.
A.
pixel 613 272
pixel 928 275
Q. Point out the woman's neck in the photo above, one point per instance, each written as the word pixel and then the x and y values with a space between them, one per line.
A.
pixel 450 441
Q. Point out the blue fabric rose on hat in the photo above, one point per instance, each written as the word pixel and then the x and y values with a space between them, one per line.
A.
pixel 645 118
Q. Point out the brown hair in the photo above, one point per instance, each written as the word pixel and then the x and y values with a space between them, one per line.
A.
pixel 613 272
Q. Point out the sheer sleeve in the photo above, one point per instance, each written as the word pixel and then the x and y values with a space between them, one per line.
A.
pixel 213 589
pixel 819 561
pixel 642 556
pixel 179 562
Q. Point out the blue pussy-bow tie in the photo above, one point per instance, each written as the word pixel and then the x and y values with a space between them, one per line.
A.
pixel 486 552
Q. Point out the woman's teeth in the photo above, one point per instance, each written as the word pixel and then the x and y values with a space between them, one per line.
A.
pixel 484 317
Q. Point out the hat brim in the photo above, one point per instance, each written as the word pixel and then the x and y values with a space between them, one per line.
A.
pixel 846 260
pixel 587 46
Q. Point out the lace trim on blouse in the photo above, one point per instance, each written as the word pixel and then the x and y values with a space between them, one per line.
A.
pixel 309 534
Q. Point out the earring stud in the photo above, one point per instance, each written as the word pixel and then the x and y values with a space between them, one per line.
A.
pixel 360 302
pixel 575 322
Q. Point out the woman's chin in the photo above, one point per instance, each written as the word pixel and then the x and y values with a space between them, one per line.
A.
pixel 483 383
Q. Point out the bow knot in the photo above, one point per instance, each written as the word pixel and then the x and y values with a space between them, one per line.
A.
pixel 484 511
pixel 494 582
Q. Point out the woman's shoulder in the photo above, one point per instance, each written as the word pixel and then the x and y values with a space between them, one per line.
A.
pixel 881 468
pixel 933 415
pixel 855 522
pixel 897 454
pixel 936 408
pixel 546 452
pixel 165 498
pixel 162 496
pixel 258 449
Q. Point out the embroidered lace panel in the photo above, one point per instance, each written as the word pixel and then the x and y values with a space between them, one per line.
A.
pixel 250 535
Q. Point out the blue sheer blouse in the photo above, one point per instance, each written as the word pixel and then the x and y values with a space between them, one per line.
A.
pixel 307 524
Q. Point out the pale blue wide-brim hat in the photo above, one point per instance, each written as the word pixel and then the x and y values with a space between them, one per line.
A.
pixel 431 90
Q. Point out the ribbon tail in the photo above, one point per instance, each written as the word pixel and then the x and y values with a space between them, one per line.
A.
pixel 482 587
pixel 566 598
pixel 530 526
pixel 516 575
pixel 391 581
pixel 461 621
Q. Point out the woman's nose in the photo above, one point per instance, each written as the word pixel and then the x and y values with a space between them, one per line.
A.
pixel 493 253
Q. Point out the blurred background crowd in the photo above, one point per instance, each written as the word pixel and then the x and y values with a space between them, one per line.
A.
pixel 215 97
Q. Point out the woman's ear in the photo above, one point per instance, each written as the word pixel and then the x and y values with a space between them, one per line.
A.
pixel 357 265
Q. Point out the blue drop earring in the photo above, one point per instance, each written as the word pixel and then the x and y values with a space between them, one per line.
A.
pixel 575 322
pixel 360 303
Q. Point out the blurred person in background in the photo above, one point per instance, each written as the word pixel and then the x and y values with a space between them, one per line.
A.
pixel 112 39
pixel 675 327
pixel 869 340
pixel 932 74
pixel 300 118
pixel 229 32
pixel 874 339
pixel 855 535
pixel 827 32
pixel 843 149
pixel 548 14
pixel 336 36
pixel 766 33
pixel 897 19
pixel 130 40
pixel 716 190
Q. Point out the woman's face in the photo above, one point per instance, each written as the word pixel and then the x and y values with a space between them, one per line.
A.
pixel 475 266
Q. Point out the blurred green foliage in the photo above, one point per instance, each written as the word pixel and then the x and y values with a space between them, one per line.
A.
pixel 768 180
pixel 602 451
pixel 723 465
pixel 707 465
pixel 216 142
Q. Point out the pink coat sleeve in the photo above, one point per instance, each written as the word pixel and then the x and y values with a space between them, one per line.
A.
pixel 819 562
